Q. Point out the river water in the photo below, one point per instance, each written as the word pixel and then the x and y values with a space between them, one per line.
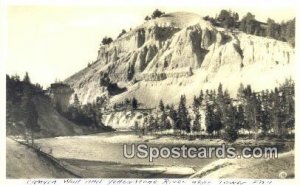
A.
pixel 92 156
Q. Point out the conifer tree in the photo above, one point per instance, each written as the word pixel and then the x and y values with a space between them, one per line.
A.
pixel 26 79
pixel 174 117
pixel 276 112
pixel 222 101
pixel 257 113
pixel 248 104
pixel 76 101
pixel 196 124
pixel 134 103
pixel 266 112
pixel 240 117
pixel 253 112
pixel 240 93
pixel 161 106
pixel 201 98
pixel 152 122
pixel 183 119
pixel 230 131
pixel 209 121
pixel 30 114
pixel 220 93
pixel 289 91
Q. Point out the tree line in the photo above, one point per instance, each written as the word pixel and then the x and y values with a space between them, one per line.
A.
pixel 22 113
pixel 284 31
pixel 257 114
pixel 89 115
pixel 20 106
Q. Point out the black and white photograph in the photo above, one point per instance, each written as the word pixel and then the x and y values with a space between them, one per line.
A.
pixel 186 90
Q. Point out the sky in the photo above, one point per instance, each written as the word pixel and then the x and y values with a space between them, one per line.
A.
pixel 52 40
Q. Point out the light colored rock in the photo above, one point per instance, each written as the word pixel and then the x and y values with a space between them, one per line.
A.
pixel 181 53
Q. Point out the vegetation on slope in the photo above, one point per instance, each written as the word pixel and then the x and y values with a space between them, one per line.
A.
pixel 24 162
pixel 284 31
pixel 30 113
pixel 261 114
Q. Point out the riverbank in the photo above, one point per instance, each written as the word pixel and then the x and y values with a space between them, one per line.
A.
pixel 282 167
pixel 24 162
pixel 101 156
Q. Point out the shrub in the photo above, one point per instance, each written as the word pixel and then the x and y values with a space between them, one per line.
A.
pixel 106 40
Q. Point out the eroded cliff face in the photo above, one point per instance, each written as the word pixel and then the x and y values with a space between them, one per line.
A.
pixel 182 54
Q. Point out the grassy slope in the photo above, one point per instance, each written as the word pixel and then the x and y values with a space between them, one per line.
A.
pixel 23 162
pixel 52 123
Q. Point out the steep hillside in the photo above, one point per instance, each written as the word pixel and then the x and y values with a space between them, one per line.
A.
pixel 23 162
pixel 50 121
pixel 180 53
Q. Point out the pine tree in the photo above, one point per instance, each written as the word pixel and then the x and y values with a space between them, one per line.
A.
pixel 157 13
pixel 30 114
pixel 266 112
pixel 163 121
pixel 271 28
pixel 76 101
pixel 122 33
pixel 253 113
pixel 174 117
pixel 183 115
pixel 147 18
pixel 248 108
pixel 220 93
pixel 240 93
pixel 258 113
pixel 196 105
pixel 240 117
pixel 290 31
pixel 246 24
pixel 99 116
pixel 222 101
pixel 106 40
pixel 289 109
pixel 152 123
pixel 213 111
pixel 167 107
pixel 95 114
pixel 134 103
pixel 230 131
pixel 201 98
pixel 218 118
pixel 227 19
pixel 161 106
pixel 207 96
pixel 196 125
pixel 26 79
pixel 209 121
pixel 243 96
pixel 276 112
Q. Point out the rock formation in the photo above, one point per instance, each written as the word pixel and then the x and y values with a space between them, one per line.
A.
pixel 180 53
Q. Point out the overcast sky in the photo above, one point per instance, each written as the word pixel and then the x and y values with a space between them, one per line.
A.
pixel 53 42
